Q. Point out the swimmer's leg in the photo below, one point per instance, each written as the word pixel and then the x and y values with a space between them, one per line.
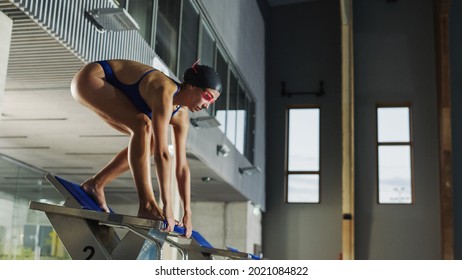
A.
pixel 96 184
pixel 91 90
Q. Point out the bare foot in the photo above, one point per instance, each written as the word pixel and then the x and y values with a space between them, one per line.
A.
pixel 96 192
pixel 150 212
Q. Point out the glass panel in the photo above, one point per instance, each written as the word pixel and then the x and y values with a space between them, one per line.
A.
pixel 395 174
pixel 141 11
pixel 304 139
pixel 121 3
pixel 25 233
pixel 168 20
pixel 232 109
pixel 220 104
pixel 207 52
pixel 241 123
pixel 393 124
pixel 303 188
pixel 189 36
pixel 250 135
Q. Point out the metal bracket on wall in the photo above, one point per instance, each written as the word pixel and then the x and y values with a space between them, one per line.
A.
pixel 318 93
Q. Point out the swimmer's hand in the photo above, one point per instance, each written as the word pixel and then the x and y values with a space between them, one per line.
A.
pixel 170 220
pixel 187 223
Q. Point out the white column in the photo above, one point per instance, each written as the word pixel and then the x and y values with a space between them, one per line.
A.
pixel 6 29
pixel 171 253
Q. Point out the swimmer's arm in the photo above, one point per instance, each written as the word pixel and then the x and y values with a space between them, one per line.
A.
pixel 161 113
pixel 183 174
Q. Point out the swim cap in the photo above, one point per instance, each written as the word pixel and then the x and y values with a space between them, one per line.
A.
pixel 202 76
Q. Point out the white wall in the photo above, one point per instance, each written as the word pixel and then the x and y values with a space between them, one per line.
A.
pixel 6 28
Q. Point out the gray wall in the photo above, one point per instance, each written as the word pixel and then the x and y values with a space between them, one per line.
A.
pixel 456 85
pixel 304 47
pixel 395 62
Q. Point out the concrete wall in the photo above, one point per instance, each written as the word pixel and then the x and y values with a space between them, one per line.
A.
pixel 456 85
pixel 304 47
pixel 394 63
pixel 235 224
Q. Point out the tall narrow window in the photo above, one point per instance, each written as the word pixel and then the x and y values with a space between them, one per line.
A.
pixel 207 53
pixel 189 36
pixel 141 11
pixel 220 105
pixel 303 149
pixel 250 129
pixel 241 120
pixel 207 46
pixel 231 118
pixel 168 25
pixel 394 151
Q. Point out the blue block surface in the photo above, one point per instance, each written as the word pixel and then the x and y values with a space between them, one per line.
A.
pixel 80 195
pixel 195 235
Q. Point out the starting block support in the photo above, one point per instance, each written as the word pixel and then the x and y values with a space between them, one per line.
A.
pixel 88 233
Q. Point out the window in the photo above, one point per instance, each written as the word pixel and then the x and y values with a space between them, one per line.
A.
pixel 394 153
pixel 250 129
pixel 219 106
pixel 141 11
pixel 168 21
pixel 183 35
pixel 302 156
pixel 232 108
pixel 207 46
pixel 189 36
pixel 241 117
pixel 207 51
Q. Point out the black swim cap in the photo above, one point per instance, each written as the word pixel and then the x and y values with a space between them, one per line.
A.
pixel 202 76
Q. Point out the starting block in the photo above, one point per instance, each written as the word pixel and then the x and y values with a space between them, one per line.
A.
pixel 87 232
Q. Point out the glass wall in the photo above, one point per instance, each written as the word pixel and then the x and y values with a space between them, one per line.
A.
pixel 249 143
pixel 207 46
pixel 241 117
pixel 168 22
pixel 26 234
pixel 189 36
pixel 142 12
pixel 232 108
pixel 207 50
pixel 220 104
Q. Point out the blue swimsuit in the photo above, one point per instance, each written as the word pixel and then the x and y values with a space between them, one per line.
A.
pixel 132 91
